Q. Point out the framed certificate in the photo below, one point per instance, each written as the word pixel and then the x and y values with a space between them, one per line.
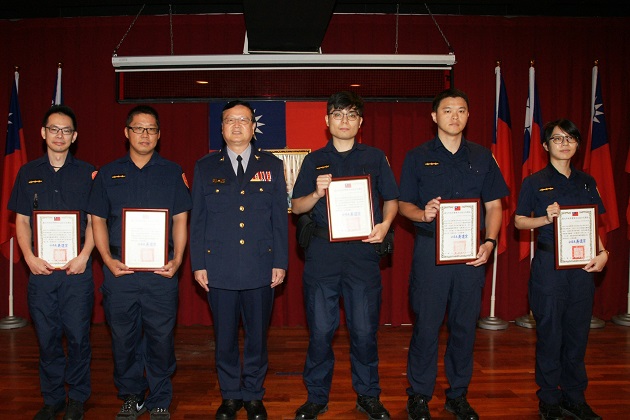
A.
pixel 56 235
pixel 457 231
pixel 575 239
pixel 145 238
pixel 350 213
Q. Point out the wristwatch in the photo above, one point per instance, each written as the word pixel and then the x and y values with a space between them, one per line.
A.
pixel 493 241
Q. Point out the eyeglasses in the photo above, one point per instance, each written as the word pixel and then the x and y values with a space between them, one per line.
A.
pixel 152 131
pixel 559 139
pixel 66 131
pixel 338 115
pixel 239 120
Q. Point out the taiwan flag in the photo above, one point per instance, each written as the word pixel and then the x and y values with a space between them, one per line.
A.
pixel 279 125
pixel 502 151
pixel 534 156
pixel 597 160
pixel 14 158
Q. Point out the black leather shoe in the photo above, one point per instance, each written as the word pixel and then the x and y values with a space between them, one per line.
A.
pixel 48 412
pixel 310 410
pixel 228 409
pixel 418 407
pixel 580 411
pixel 550 411
pixel 74 410
pixel 372 407
pixel 255 410
pixel 460 407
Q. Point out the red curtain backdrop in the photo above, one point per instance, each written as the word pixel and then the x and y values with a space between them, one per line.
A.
pixel 564 50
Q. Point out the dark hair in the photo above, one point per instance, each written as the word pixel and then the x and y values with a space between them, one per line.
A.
pixel 565 125
pixel 238 102
pixel 142 109
pixel 60 109
pixel 345 100
pixel 449 93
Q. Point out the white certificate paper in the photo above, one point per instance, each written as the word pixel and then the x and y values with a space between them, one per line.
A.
pixel 350 215
pixel 576 236
pixel 56 236
pixel 457 231
pixel 145 238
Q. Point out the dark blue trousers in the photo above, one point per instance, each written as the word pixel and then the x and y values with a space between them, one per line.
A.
pixel 141 310
pixel 349 271
pixel 252 308
pixel 436 290
pixel 562 304
pixel 59 305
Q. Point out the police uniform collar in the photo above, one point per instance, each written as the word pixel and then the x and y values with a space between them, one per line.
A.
pixel 554 172
pixel 330 147
pixel 155 159
pixel 44 160
pixel 437 143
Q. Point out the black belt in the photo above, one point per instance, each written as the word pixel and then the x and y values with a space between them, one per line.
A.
pixel 424 232
pixel 321 232
pixel 116 251
pixel 543 246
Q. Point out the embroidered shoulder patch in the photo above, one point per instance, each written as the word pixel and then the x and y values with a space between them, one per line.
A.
pixel 94 174
pixel 185 180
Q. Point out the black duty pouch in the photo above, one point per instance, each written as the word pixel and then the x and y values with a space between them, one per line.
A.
pixel 304 230
pixel 387 246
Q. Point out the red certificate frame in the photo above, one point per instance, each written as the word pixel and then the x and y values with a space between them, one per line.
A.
pixel 575 239
pixel 457 231
pixel 57 236
pixel 350 211
pixel 145 238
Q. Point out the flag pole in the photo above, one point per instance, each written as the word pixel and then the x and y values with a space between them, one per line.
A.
pixel 624 319
pixel 528 321
pixel 11 321
pixel 492 322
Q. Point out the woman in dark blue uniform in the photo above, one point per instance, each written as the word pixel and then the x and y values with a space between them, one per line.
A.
pixel 561 300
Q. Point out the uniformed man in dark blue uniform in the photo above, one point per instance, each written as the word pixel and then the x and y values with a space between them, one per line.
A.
pixel 60 300
pixel 343 269
pixel 447 167
pixel 561 300
pixel 141 307
pixel 239 254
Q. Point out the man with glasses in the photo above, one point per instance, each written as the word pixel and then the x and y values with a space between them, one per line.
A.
pixel 561 300
pixel 239 254
pixel 60 299
pixel 348 269
pixel 141 306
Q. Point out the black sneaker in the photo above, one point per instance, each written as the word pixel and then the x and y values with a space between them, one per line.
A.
pixel 160 414
pixel 131 408
pixel 74 410
pixel 310 410
pixel 581 411
pixel 460 407
pixel 550 411
pixel 48 412
pixel 418 407
pixel 373 407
